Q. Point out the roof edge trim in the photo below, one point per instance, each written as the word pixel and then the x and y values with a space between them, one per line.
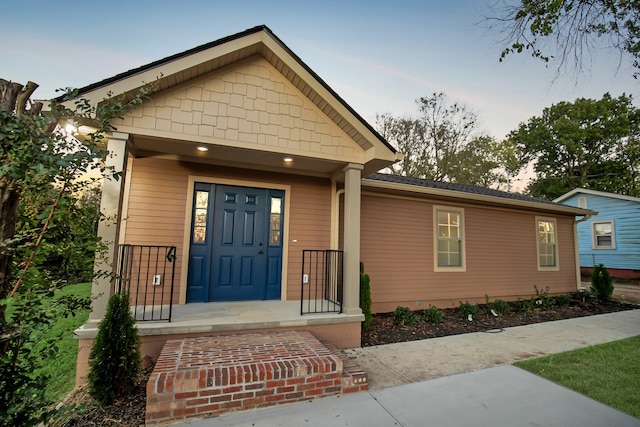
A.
pixel 374 184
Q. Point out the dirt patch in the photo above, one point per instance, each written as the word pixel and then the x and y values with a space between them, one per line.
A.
pixel 385 331
pixel 627 292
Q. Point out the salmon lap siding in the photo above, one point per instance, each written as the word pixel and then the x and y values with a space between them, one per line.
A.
pixel 501 256
pixel 158 202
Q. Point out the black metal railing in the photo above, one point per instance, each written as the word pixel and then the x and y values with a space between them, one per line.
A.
pixel 321 281
pixel 147 273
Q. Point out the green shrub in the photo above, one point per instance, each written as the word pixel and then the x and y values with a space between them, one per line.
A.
pixel 467 309
pixel 601 283
pixel 433 315
pixel 114 361
pixel 542 300
pixel 522 305
pixel 365 298
pixel 562 300
pixel 500 306
pixel 403 316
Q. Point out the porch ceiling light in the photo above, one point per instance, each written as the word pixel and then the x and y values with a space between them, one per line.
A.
pixel 71 128
pixel 202 148
pixel 288 161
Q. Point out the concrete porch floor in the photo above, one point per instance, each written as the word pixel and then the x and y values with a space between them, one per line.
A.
pixel 223 318
pixel 230 316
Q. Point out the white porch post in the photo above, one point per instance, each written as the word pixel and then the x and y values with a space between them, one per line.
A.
pixel 108 228
pixel 351 272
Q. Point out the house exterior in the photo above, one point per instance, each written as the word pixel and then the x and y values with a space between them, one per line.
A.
pixel 249 196
pixel 612 237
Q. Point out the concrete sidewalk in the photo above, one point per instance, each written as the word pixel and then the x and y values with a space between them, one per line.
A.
pixel 461 381
pixel 402 363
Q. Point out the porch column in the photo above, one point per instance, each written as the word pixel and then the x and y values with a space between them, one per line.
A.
pixel 108 227
pixel 351 272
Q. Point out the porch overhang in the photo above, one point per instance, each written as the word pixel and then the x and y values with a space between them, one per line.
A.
pixel 258 42
pixel 141 145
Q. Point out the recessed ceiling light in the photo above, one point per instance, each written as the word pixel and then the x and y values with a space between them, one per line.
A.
pixel 201 148
pixel 288 159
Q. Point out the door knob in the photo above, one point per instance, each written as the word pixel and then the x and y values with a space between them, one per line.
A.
pixel 260 252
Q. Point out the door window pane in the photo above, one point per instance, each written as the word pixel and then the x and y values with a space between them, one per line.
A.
pixel 200 217
pixel 275 222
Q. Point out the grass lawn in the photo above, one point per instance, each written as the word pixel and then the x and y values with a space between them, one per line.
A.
pixel 62 367
pixel 608 373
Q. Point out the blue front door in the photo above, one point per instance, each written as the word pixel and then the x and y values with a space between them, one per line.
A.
pixel 236 247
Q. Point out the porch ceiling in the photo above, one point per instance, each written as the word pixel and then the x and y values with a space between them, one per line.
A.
pixel 142 146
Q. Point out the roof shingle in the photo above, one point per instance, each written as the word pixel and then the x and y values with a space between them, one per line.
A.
pixel 462 188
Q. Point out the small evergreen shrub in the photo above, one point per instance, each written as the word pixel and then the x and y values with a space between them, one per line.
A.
pixel 522 305
pixel 467 309
pixel 403 316
pixel 601 283
pixel 365 298
pixel 433 315
pixel 114 361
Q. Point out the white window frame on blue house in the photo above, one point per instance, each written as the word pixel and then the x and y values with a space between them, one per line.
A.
pixel 595 242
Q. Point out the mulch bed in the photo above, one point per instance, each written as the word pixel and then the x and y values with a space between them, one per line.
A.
pixel 384 330
pixel 79 409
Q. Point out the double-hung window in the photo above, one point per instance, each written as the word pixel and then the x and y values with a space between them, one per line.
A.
pixel 604 236
pixel 547 244
pixel 449 246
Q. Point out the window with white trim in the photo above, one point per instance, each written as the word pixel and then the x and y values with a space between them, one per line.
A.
pixel 449 247
pixel 547 244
pixel 604 235
pixel 582 202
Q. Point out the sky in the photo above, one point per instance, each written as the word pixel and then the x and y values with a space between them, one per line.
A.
pixel 379 56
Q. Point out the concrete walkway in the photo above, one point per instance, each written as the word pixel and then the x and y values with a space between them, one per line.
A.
pixel 402 363
pixel 461 380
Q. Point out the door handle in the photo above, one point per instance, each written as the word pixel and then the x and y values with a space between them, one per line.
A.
pixel 260 252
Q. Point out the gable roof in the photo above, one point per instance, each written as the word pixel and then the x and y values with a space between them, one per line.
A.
pixel 260 40
pixel 463 192
pixel 596 193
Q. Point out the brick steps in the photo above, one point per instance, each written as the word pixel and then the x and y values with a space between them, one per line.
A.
pixel 199 377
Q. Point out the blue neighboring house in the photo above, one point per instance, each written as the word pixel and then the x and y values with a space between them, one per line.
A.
pixel 612 237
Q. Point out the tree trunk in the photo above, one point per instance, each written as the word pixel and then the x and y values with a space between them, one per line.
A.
pixel 9 202
pixel 13 99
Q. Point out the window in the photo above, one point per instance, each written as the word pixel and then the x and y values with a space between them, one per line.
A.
pixel 547 244
pixel 603 233
pixel 449 253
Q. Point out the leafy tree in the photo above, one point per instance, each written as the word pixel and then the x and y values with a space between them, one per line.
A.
pixel 568 30
pixel 588 143
pixel 441 143
pixel 71 239
pixel 41 163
